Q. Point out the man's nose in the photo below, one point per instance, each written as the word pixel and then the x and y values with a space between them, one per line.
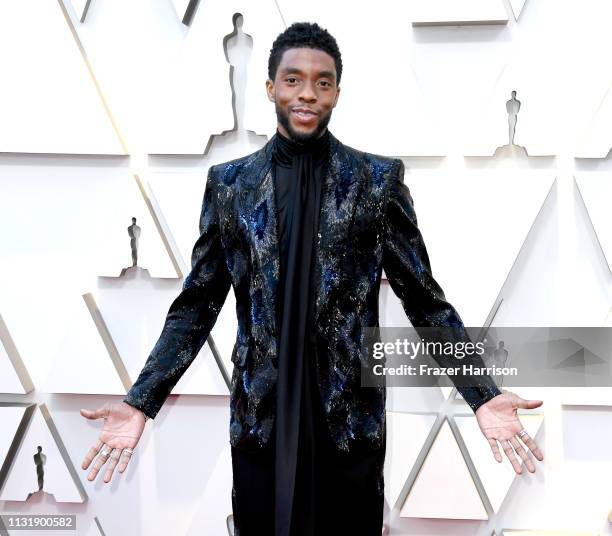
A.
pixel 308 92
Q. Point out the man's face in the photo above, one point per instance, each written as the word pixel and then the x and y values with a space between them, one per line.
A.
pixel 304 92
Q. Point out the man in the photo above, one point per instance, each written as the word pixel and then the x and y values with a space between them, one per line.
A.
pixel 302 230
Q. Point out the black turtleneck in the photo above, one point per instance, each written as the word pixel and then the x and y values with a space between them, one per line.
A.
pixel 298 173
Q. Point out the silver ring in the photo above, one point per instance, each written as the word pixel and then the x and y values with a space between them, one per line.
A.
pixel 129 450
pixel 105 453
pixel 522 433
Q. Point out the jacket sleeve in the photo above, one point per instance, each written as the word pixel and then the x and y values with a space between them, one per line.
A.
pixel 407 267
pixel 191 316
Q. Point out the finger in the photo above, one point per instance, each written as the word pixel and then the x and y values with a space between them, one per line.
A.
pixel 97 413
pixel 100 461
pixel 532 446
pixel 126 455
pixel 495 449
pixel 91 454
pixel 523 454
pixel 114 458
pixel 529 404
pixel 510 455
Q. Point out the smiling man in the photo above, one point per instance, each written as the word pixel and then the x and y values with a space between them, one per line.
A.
pixel 303 119
pixel 302 230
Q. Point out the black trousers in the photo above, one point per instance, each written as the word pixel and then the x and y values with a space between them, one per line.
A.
pixel 336 493
pixel 347 501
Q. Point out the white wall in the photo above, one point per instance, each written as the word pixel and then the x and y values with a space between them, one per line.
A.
pixel 110 118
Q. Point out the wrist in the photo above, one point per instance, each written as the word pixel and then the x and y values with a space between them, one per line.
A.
pixel 138 407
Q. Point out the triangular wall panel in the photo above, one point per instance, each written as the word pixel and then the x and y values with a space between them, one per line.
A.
pixel 193 65
pixel 95 529
pixel 134 311
pixel 14 377
pixel 49 101
pixel 596 140
pixel 444 488
pixel 450 12
pixel 495 477
pixel 82 363
pixel 58 476
pixel 406 434
pixel 205 520
pixel 472 281
pixel 12 418
pixel 517 7
pixel 596 192
pixel 80 7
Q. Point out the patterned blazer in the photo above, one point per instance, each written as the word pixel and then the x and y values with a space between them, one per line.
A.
pixel 367 222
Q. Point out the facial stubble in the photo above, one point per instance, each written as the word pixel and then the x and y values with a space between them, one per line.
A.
pixel 299 137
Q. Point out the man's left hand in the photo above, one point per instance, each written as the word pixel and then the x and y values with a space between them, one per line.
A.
pixel 498 420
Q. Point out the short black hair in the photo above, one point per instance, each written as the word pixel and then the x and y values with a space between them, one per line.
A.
pixel 308 35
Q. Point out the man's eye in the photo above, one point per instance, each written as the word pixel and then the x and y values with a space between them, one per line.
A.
pixel 290 79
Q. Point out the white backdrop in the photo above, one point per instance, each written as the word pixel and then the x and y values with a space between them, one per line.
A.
pixel 119 111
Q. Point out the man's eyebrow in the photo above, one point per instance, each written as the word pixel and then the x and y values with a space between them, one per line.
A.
pixel 328 74
pixel 295 70
pixel 291 70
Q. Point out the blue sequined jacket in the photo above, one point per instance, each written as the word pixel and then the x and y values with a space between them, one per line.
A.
pixel 367 223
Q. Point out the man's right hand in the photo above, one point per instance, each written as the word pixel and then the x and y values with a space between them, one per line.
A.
pixel 123 426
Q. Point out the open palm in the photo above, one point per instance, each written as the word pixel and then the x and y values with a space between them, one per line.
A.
pixel 123 426
pixel 499 422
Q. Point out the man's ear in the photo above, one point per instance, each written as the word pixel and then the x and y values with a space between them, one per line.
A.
pixel 270 90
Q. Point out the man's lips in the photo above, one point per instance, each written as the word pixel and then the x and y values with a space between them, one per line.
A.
pixel 304 115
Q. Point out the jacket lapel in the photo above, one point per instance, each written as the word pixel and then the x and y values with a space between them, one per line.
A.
pixel 260 211
pixel 341 189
